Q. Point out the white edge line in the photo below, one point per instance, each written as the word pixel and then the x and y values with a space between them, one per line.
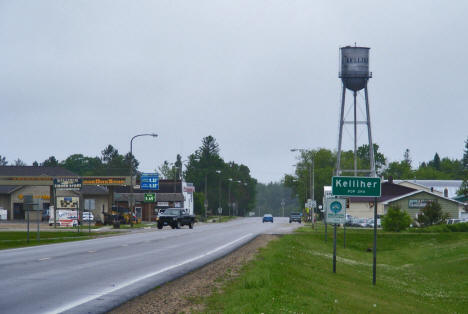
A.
pixel 131 282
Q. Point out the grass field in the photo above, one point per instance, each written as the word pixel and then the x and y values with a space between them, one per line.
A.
pixel 416 273
pixel 15 239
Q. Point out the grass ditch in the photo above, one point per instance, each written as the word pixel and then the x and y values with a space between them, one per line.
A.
pixel 416 273
pixel 16 239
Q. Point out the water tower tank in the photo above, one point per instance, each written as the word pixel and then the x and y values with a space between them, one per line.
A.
pixel 354 70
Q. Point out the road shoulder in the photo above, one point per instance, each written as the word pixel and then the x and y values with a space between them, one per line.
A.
pixel 183 294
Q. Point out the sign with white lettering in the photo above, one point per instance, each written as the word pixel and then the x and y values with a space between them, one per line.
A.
pixel 418 203
pixel 149 181
pixel 356 186
pixel 68 184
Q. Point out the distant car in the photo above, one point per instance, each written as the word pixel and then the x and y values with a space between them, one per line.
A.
pixel 267 218
pixel 453 221
pixel 362 222
pixel 295 217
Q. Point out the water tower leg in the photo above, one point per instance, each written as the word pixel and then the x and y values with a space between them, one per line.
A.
pixel 355 135
pixel 369 132
pixel 340 136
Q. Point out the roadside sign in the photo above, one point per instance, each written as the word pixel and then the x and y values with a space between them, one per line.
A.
pixel 150 198
pixel 356 186
pixel 220 210
pixel 68 184
pixel 149 181
pixel 336 211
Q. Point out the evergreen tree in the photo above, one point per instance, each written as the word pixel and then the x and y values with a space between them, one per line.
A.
pixel 3 161
pixel 463 190
pixel 465 156
pixel 50 162
pixel 19 162
pixel 407 157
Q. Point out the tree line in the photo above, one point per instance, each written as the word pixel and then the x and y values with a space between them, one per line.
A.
pixel 323 162
pixel 110 163
pixel 226 185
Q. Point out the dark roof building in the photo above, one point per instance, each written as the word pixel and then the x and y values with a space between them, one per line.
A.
pixel 30 171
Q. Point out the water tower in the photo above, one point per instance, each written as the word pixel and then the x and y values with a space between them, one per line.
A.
pixel 354 73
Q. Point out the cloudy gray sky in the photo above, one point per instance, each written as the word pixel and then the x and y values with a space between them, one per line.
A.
pixel 260 76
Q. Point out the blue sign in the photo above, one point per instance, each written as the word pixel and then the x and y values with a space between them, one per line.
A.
pixel 149 181
pixel 336 207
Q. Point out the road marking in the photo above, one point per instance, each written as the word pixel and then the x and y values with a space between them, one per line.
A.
pixel 131 282
pixel 44 259
pixel 91 251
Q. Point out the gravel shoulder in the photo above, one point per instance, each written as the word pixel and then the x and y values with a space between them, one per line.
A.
pixel 183 294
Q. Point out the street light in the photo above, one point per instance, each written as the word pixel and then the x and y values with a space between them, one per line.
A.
pixel 219 191
pixel 229 195
pixel 132 205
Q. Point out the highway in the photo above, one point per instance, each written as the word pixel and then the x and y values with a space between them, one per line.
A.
pixel 94 276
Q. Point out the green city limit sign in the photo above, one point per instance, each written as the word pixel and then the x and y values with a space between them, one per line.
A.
pixel 356 186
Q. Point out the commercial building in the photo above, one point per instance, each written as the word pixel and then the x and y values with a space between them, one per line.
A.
pixel 171 193
pixel 413 202
pixel 363 207
pixel 98 193
pixel 446 188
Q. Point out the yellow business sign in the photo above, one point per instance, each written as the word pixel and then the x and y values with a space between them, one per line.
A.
pixel 44 180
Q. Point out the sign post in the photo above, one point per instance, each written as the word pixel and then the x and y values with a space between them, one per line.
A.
pixel 363 187
pixel 336 214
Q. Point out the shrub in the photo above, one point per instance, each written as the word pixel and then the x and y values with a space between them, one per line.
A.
pixel 396 219
pixel 460 227
pixel 431 214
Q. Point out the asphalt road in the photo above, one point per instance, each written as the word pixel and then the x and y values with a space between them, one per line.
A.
pixel 94 276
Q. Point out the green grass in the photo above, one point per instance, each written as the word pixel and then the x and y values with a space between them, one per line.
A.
pixel 217 218
pixel 416 273
pixel 16 239
pixel 140 225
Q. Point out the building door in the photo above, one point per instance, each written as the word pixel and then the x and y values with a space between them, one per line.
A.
pixel 18 211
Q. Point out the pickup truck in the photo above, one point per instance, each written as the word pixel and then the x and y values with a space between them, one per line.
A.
pixel 176 218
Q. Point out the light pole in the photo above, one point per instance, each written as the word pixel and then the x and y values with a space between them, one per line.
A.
pixel 311 178
pixel 229 196
pixel 132 202
pixel 219 191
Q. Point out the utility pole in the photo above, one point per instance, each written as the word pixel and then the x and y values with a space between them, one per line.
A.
pixel 229 196
pixel 219 191
pixel 206 194
pixel 132 201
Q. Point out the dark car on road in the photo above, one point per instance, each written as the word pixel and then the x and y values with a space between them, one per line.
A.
pixel 267 218
pixel 295 217
pixel 176 218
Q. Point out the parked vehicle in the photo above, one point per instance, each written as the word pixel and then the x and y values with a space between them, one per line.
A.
pixel 295 217
pixel 267 218
pixel 176 218
pixel 453 221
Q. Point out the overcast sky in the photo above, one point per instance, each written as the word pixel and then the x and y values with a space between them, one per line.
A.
pixel 260 76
